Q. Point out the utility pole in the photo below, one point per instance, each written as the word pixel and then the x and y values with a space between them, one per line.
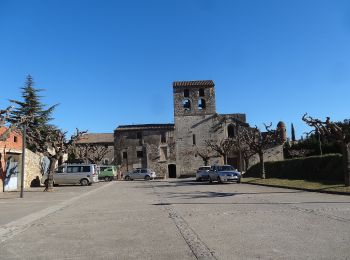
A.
pixel 23 157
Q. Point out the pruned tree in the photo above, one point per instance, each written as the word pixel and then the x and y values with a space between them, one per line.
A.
pixel 4 115
pixel 52 142
pixel 223 147
pixel 337 131
pixel 206 154
pixel 90 153
pixel 257 142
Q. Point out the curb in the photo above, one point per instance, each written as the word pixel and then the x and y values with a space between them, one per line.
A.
pixel 297 188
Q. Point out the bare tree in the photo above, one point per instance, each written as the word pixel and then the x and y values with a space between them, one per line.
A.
pixel 223 147
pixel 4 116
pixel 52 142
pixel 206 154
pixel 257 142
pixel 340 133
pixel 90 153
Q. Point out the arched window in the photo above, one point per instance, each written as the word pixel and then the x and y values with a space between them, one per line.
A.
pixel 201 92
pixel 201 104
pixel 186 104
pixel 230 131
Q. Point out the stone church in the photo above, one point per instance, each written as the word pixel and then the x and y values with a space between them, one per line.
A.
pixel 173 150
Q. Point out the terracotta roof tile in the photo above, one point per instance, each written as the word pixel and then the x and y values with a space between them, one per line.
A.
pixel 193 83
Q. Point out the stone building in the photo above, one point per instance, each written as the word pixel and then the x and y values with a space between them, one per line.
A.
pixel 97 141
pixel 146 146
pixel 11 163
pixel 175 150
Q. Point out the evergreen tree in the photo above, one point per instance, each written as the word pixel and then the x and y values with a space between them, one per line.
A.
pixel 31 107
pixel 293 133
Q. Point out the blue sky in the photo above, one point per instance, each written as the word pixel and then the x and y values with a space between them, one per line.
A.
pixel 109 63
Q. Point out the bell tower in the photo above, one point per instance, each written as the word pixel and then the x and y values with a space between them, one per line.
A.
pixel 194 98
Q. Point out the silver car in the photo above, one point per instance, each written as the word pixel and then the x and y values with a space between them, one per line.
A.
pixel 140 173
pixel 202 173
pixel 224 173
pixel 83 174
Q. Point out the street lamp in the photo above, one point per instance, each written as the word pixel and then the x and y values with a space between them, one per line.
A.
pixel 24 130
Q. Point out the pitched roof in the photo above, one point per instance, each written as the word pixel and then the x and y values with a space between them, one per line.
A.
pixel 145 127
pixel 193 83
pixel 97 138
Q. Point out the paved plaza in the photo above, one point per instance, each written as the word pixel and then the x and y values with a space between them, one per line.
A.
pixel 174 219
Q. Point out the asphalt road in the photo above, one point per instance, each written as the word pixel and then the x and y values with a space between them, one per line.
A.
pixel 174 219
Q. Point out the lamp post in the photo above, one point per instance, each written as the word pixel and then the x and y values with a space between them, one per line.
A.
pixel 23 158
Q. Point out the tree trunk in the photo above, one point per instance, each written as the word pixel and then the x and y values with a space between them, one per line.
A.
pixel 49 183
pixel 246 162
pixel 262 164
pixel 225 159
pixel 205 162
pixel 346 163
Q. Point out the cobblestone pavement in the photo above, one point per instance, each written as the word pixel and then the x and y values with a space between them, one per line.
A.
pixel 174 219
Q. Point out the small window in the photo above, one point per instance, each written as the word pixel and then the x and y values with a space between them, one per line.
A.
pixel 201 104
pixel 186 104
pixel 139 154
pixel 201 92
pixel 163 138
pixel 106 161
pixel 230 131
pixel 125 155
pixel 186 93
pixel 139 135
pixel 15 139
pixel 194 139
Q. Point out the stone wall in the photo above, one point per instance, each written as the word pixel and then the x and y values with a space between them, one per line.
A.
pixel 270 155
pixel 32 168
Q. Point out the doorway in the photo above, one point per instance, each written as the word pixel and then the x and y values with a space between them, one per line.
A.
pixel 172 170
pixel 233 162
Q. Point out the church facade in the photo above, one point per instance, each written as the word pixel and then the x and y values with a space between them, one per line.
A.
pixel 179 149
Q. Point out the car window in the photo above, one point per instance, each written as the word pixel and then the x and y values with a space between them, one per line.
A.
pixel 225 168
pixel 86 168
pixel 73 169
pixel 102 168
pixel 144 171
pixel 60 169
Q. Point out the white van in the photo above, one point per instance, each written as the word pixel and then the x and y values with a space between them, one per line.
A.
pixel 83 174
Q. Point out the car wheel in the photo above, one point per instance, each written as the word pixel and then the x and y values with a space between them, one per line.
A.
pixel 127 178
pixel 210 180
pixel 239 181
pixel 107 178
pixel 147 178
pixel 84 182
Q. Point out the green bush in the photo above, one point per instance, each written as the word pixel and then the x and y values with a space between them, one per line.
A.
pixel 327 167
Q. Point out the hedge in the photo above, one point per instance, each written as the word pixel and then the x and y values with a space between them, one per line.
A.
pixel 327 167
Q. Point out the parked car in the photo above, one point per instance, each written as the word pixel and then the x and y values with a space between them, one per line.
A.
pixel 224 173
pixel 83 174
pixel 107 172
pixel 202 173
pixel 140 173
